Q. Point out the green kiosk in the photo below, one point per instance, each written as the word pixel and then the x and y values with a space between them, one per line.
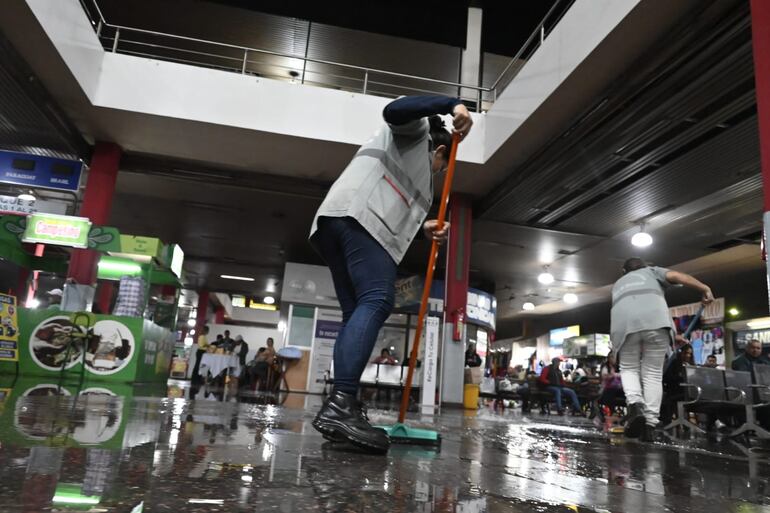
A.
pixel 94 347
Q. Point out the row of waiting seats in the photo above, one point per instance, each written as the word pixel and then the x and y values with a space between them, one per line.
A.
pixel 380 375
pixel 718 393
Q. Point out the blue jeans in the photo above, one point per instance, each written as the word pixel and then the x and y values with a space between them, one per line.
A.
pixel 557 391
pixel 364 276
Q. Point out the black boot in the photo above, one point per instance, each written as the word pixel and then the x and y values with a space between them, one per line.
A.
pixel 635 421
pixel 648 434
pixel 343 417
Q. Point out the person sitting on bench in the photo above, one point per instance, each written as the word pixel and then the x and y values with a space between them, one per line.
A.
pixel 551 379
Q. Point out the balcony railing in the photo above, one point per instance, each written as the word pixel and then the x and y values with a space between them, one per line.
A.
pixel 306 70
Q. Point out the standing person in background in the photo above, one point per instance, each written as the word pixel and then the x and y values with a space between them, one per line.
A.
pixel 642 332
pixel 711 361
pixel 362 231
pixel 202 346
pixel 472 358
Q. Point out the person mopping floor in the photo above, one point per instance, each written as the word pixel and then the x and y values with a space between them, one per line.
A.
pixel 362 231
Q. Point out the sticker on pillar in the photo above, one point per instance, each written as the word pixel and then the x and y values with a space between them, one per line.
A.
pixel 57 342
pixel 111 347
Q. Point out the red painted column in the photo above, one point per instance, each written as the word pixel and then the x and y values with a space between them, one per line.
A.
pixel 760 38
pixel 97 203
pixel 458 261
pixel 203 306
pixel 219 315
pixel 104 296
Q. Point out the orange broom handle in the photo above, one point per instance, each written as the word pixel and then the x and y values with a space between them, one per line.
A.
pixel 450 173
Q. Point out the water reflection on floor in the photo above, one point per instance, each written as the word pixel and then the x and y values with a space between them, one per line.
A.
pixel 119 448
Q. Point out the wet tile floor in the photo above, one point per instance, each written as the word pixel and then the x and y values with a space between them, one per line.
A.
pixel 102 449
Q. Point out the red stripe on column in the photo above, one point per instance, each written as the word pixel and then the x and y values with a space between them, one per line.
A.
pixel 760 36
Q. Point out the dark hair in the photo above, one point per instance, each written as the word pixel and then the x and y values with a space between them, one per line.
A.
pixel 683 349
pixel 633 264
pixel 439 134
pixel 711 356
pixel 385 350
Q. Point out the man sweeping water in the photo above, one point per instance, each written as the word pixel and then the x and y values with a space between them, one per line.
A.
pixel 362 231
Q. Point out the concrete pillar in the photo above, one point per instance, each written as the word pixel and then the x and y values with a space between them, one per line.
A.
pixel 457 274
pixel 470 67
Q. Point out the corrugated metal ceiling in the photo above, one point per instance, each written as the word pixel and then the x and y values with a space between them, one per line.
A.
pixel 685 110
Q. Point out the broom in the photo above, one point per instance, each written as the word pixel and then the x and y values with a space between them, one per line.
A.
pixel 400 432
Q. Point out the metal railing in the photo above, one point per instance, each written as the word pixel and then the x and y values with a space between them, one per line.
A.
pixel 303 69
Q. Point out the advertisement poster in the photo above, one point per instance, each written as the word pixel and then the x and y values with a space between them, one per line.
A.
pixel 327 328
pixel 57 342
pixel 708 337
pixel 430 366
pixel 9 329
pixel 119 349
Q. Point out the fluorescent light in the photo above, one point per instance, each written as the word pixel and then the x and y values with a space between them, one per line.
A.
pixel 641 240
pixel 247 478
pixel 124 267
pixel 231 277
pixel 759 324
pixel 528 306
pixel 206 501
pixel 545 278
pixel 570 298
pixel 191 323
pixel 67 499
pixel 263 306
pixel 26 196
pixel 269 300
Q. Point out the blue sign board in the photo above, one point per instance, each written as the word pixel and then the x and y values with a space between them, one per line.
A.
pixel 37 171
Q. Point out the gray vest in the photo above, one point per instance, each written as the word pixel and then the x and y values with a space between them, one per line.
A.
pixel 387 187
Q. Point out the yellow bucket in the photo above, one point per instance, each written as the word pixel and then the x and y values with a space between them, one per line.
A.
pixel 471 397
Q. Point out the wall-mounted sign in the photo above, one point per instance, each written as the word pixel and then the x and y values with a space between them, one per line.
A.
pixel 38 171
pixel 16 206
pixel 481 309
pixel 558 336
pixel 57 230
pixel 9 329
pixel 141 246
pixel 177 260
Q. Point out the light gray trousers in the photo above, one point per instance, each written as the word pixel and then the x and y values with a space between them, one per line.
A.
pixel 641 369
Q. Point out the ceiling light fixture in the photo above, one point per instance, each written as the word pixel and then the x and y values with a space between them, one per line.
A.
pixel 759 324
pixel 734 312
pixel 528 307
pixel 641 239
pixel 27 196
pixel 570 298
pixel 191 322
pixel 231 277
pixel 546 278
pixel 269 300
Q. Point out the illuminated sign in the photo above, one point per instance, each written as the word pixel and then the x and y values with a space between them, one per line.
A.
pixel 57 230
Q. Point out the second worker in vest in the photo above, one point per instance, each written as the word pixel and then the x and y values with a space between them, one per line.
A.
pixel 642 332
pixel 362 231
